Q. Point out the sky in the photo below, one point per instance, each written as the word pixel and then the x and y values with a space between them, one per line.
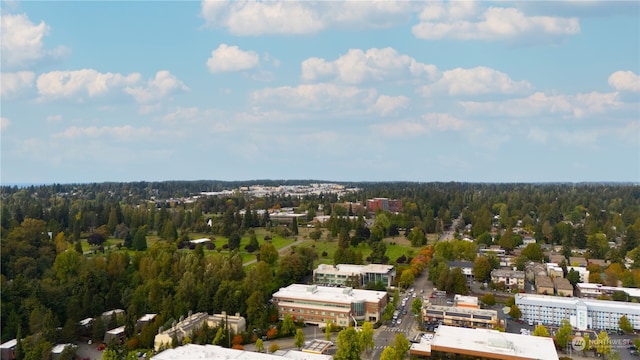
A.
pixel 426 91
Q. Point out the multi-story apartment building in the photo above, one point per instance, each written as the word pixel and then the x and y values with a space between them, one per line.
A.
pixel 193 322
pixel 315 304
pixel 583 314
pixel 508 277
pixel 384 204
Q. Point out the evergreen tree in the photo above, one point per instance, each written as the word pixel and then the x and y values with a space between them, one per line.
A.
pixel 139 242
pixel 19 351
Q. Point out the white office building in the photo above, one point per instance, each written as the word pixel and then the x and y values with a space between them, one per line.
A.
pixel 343 274
pixel 582 313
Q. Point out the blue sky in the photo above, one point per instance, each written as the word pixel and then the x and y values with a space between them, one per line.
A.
pixel 501 91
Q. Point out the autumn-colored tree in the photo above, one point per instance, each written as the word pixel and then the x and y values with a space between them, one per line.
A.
pixel 272 333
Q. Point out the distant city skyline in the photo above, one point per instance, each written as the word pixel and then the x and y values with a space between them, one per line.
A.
pixel 464 91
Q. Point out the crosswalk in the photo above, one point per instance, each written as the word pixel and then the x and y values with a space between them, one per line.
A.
pixel 392 329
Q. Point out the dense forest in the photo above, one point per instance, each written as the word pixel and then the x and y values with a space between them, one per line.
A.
pixel 71 251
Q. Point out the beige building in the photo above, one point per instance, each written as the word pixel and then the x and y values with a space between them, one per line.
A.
pixel 316 305
pixel 544 285
pixel 533 269
pixel 562 287
pixel 193 322
pixel 461 316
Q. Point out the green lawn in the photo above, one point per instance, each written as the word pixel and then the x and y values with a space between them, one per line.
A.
pixel 396 246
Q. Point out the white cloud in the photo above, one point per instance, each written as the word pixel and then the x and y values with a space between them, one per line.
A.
pixel 400 128
pixel 161 86
pixel 4 123
pixel 358 66
pixel 386 105
pixel 430 123
pixel 464 21
pixel 476 81
pixel 230 58
pixel 316 97
pixel 625 81
pixel 22 44
pixel 578 105
pixel 84 82
pixel 12 84
pixel 258 18
pixel 252 18
pixel 119 133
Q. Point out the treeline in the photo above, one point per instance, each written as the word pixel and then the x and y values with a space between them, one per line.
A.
pixel 46 282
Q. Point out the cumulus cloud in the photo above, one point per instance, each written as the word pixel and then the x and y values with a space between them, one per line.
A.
pixel 4 123
pixel 429 123
pixel 539 103
pixel 258 18
pixel 22 44
pixel 476 81
pixel 84 82
pixel 252 18
pixel 386 105
pixel 327 97
pixel 316 97
pixel 230 58
pixel 625 81
pixel 358 66
pixel 161 86
pixel 121 133
pixel 12 84
pixel 464 20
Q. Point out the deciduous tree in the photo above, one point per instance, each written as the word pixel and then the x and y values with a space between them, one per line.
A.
pixel 349 346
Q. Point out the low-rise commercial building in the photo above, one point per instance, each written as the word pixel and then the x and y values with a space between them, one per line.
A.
pixel 345 274
pixel 452 343
pixel 583 314
pixel 470 302
pixel 508 277
pixel 588 290
pixel 193 322
pixel 315 304
pixel 461 316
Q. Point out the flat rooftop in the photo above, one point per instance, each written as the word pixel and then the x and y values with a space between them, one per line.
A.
pixel 193 351
pixel 485 342
pixel 571 302
pixel 317 293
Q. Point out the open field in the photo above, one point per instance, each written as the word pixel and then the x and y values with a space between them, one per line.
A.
pixel 325 248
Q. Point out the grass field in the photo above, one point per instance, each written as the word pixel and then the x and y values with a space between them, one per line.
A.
pixel 396 246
